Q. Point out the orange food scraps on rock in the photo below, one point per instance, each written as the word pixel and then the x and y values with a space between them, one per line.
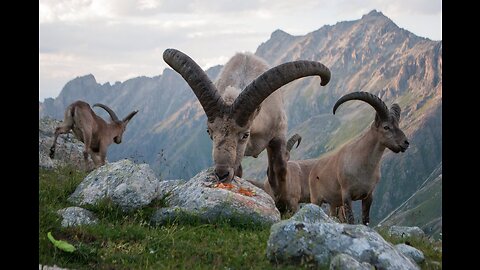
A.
pixel 246 192
pixel 224 186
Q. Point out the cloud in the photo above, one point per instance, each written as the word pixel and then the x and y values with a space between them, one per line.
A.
pixel 115 39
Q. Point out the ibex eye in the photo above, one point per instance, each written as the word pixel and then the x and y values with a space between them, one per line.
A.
pixel 245 135
pixel 208 131
pixel 386 127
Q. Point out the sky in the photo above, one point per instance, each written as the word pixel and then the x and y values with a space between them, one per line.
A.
pixel 116 40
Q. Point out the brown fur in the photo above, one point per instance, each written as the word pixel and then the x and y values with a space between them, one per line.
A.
pixel 92 130
pixel 352 172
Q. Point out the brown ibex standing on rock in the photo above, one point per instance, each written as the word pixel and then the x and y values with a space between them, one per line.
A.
pixel 245 114
pixel 352 172
pixel 92 130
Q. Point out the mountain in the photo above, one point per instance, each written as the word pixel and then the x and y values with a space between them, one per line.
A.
pixel 369 54
pixel 375 55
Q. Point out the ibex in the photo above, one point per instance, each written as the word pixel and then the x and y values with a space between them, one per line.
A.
pixel 92 130
pixel 245 114
pixel 352 172
pixel 297 188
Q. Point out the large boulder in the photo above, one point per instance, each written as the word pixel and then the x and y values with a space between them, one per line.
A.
pixel 209 201
pixel 76 216
pixel 69 150
pixel 127 184
pixel 317 240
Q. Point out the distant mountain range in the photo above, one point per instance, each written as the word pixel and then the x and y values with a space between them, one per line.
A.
pixel 370 54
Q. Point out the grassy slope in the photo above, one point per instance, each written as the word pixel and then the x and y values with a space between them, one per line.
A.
pixel 127 241
pixel 423 209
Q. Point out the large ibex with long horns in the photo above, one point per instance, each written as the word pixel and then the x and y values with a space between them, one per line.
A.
pixel 245 114
pixel 92 130
pixel 352 172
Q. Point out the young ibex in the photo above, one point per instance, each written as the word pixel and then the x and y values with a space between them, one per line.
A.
pixel 92 130
pixel 245 114
pixel 352 172
pixel 297 187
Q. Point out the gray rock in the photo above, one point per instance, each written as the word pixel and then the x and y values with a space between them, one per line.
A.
pixel 166 187
pixel 293 242
pixel 311 213
pixel 199 198
pixel 69 150
pixel 346 262
pixel 404 231
pixel 411 252
pixel 127 184
pixel 75 216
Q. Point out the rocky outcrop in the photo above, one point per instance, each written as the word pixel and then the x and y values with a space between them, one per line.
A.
pixel 69 150
pixel 209 201
pixel 75 216
pixel 127 184
pixel 317 240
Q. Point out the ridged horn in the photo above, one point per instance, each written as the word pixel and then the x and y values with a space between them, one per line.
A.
pixel 373 100
pixel 291 142
pixel 271 80
pixel 109 111
pixel 198 80
pixel 129 116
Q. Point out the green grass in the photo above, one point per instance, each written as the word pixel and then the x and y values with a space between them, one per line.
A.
pixel 128 240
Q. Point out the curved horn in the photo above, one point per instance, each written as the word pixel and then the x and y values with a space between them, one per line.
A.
pixel 373 100
pixel 112 114
pixel 258 90
pixel 291 142
pixel 198 80
pixel 129 116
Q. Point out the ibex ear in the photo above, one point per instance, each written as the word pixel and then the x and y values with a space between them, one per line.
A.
pixel 395 112
pixel 127 119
